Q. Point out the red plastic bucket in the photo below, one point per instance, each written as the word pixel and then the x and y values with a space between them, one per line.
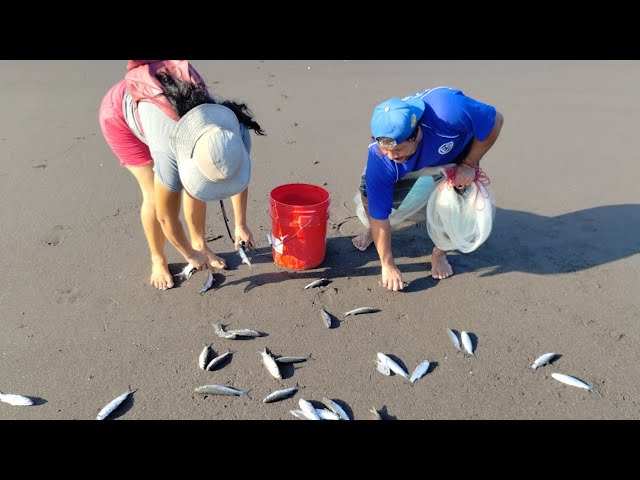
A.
pixel 299 214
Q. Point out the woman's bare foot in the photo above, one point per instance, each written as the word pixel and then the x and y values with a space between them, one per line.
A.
pixel 440 267
pixel 160 276
pixel 362 241
pixel 215 260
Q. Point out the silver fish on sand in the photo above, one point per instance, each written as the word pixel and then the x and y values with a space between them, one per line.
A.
pixel 376 414
pixel 217 328
pixel 454 339
pixel 113 404
pixel 543 360
pixel 326 318
pixel 220 390
pixel 243 254
pixel 292 359
pixel 573 381
pixel 318 283
pixel 326 414
pixel 466 341
pixel 335 408
pixel 358 311
pixel 383 368
pixel 186 272
pixel 15 399
pixel 393 365
pixel 280 394
pixel 270 363
pixel 419 371
pixel 244 332
pixel 310 411
pixel 218 360
pixel 300 414
pixel 208 283
pixel 205 357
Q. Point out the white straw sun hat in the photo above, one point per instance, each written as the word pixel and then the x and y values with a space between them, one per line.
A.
pixel 213 162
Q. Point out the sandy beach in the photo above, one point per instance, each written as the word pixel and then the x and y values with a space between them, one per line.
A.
pixel 559 273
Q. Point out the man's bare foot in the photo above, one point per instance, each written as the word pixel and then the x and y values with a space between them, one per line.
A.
pixel 160 276
pixel 440 267
pixel 362 241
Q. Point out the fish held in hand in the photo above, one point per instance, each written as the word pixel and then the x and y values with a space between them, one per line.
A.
pixel 243 253
pixel 186 272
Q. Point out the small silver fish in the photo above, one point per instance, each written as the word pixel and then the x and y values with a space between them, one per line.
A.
pixel 543 360
pixel 208 283
pixel 113 404
pixel 270 363
pixel 318 283
pixel 376 414
pixel 220 390
pixel 221 332
pixel 466 341
pixel 292 359
pixel 326 318
pixel 383 368
pixel 186 272
pixel 205 357
pixel 357 311
pixel 326 414
pixel 244 332
pixel 419 371
pixel 243 254
pixel 310 411
pixel 393 365
pixel 573 381
pixel 281 394
pixel 218 360
pixel 454 339
pixel 300 414
pixel 335 408
pixel 15 399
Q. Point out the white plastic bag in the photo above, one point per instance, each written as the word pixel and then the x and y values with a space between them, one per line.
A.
pixel 461 220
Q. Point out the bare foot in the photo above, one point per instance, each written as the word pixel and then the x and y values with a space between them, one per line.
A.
pixel 440 267
pixel 160 276
pixel 215 260
pixel 362 241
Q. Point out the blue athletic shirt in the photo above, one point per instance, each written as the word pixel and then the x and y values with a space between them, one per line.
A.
pixel 450 121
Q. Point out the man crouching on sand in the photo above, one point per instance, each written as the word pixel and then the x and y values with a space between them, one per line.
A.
pixel 434 127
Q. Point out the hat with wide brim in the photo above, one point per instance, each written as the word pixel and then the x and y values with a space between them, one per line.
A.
pixel 213 161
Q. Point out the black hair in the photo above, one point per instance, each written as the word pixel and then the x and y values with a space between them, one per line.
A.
pixel 184 95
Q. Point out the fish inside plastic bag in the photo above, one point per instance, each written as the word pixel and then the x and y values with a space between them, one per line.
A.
pixel 461 220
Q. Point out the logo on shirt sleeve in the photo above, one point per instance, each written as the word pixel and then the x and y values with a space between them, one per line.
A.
pixel 445 148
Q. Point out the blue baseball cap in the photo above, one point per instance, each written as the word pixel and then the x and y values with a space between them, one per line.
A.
pixel 396 118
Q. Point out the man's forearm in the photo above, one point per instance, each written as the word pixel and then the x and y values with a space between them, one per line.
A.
pixel 479 148
pixel 381 234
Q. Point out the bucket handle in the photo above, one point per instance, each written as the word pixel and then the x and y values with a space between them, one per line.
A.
pixel 300 220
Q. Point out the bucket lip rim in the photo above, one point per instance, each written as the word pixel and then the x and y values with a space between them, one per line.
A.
pixel 317 187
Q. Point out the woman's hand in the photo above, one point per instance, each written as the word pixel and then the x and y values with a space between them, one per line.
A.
pixel 243 233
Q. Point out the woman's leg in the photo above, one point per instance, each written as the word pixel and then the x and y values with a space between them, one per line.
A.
pixel 160 276
pixel 195 213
